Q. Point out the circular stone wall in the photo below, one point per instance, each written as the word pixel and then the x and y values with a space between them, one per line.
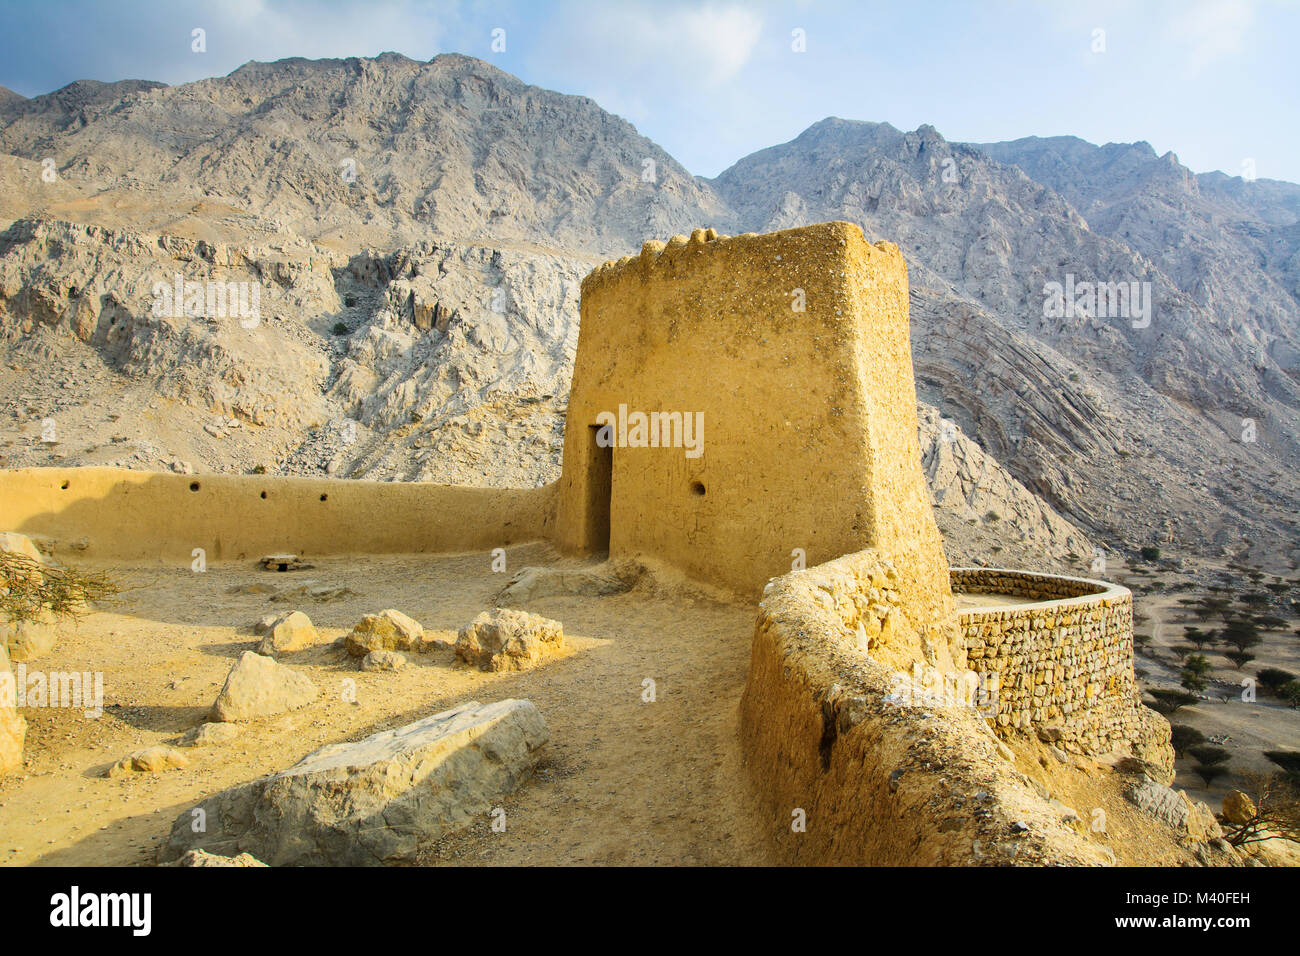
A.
pixel 1062 663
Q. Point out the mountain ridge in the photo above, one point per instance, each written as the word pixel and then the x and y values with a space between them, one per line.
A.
pixel 1087 412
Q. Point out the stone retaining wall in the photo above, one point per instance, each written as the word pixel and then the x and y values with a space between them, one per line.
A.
pixel 854 772
pixel 1063 664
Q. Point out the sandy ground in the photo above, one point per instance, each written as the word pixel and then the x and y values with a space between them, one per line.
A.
pixel 1245 729
pixel 622 781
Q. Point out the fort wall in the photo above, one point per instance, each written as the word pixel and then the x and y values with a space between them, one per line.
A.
pixel 1063 664
pixel 118 514
pixel 854 772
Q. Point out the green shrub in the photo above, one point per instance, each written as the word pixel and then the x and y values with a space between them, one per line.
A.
pixel 1290 692
pixel 1272 678
pixel 1240 658
pixel 1168 701
pixel 1183 736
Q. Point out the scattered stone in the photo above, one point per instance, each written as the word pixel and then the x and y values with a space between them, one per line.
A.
pixel 258 686
pixel 209 734
pixel 202 858
pixel 281 562
pixel 149 760
pixel 289 632
pixel 309 590
pixel 377 800
pixel 252 589
pixel 383 661
pixel 529 584
pixel 503 639
pixel 386 631
pixel 1238 808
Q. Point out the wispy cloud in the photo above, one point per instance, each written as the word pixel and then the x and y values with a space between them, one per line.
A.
pixel 672 43
pixel 1210 30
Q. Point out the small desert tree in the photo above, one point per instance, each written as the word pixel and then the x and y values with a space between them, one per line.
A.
pixel 1272 678
pixel 1210 761
pixel 1289 761
pixel 1168 701
pixel 29 590
pixel 1195 669
pixel 1198 637
pixel 1239 658
pixel 1277 810
pixel 1182 736
pixel 1290 692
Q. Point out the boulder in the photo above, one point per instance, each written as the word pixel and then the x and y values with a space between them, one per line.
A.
pixel 1238 808
pixel 209 734
pixel 258 686
pixel 383 661
pixel 289 632
pixel 11 542
pixel 1174 807
pixel 378 800
pixel 386 631
pixel 13 734
pixel 149 760
pixel 507 640
pixel 29 640
pixel 13 726
pixel 200 858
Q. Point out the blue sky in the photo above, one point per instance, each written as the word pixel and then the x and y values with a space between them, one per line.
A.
pixel 1216 81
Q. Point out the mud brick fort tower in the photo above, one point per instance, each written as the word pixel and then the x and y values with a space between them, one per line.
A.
pixel 790 354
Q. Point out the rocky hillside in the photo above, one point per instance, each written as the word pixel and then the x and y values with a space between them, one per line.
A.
pixel 417 233
pixel 1092 411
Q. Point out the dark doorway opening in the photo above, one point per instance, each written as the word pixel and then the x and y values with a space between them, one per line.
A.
pixel 600 487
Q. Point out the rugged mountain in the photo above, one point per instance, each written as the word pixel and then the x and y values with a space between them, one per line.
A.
pixel 418 319
pixel 1093 411
pixel 384 149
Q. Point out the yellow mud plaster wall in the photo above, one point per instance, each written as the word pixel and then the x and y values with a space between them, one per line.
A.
pixel 810 431
pixel 117 514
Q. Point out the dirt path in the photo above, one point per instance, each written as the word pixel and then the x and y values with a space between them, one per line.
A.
pixel 623 780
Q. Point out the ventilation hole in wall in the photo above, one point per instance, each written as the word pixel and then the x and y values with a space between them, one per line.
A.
pixel 64 486
pixel 264 496
pixel 697 488
pixel 324 497
pixel 194 486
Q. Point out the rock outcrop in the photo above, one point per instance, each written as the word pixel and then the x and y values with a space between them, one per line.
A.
pixel 386 631
pixel 13 726
pixel 289 632
pixel 508 640
pixel 258 686
pixel 378 800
